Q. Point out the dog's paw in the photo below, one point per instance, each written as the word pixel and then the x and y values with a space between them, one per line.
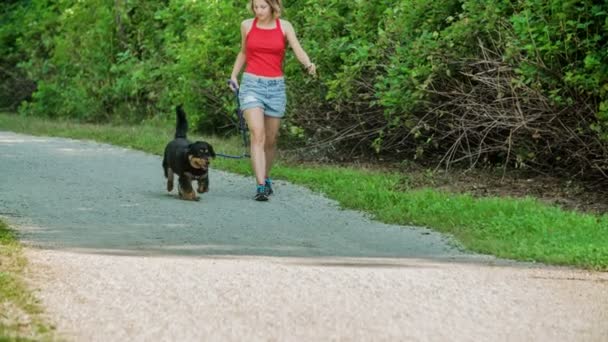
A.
pixel 189 196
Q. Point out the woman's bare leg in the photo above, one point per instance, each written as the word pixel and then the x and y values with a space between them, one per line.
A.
pixel 272 126
pixel 256 124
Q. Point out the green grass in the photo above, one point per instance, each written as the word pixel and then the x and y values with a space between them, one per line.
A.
pixel 19 311
pixel 521 229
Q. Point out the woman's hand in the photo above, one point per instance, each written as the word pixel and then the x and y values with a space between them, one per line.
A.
pixel 233 84
pixel 311 69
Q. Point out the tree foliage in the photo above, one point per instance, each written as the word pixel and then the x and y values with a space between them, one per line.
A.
pixel 473 82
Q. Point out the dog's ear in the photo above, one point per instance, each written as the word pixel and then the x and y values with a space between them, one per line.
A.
pixel 211 151
pixel 191 148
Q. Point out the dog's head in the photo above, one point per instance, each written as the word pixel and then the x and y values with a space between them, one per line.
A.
pixel 199 153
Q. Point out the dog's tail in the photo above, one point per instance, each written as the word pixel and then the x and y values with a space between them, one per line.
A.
pixel 181 127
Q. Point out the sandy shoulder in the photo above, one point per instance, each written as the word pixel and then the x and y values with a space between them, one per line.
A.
pixel 96 297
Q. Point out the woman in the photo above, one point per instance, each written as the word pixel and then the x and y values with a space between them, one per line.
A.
pixel 262 94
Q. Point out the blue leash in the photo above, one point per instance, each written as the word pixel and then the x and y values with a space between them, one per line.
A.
pixel 242 125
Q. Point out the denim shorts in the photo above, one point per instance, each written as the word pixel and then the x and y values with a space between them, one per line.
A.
pixel 259 92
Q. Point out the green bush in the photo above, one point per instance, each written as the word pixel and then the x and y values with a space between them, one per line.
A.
pixel 397 78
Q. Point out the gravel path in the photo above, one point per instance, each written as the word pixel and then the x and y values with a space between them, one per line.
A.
pixel 114 257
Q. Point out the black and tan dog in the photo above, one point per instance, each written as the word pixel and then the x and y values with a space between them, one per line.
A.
pixel 188 160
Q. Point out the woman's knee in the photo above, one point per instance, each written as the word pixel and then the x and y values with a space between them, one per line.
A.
pixel 258 137
pixel 270 141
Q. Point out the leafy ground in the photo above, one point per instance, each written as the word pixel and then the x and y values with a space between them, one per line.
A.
pixel 568 194
pixel 565 193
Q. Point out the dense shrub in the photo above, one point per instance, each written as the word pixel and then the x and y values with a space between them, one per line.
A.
pixel 472 82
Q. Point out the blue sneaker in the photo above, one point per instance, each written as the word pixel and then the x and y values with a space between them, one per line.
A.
pixel 260 193
pixel 268 185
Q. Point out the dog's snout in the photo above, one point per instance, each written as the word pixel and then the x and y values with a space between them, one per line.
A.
pixel 202 162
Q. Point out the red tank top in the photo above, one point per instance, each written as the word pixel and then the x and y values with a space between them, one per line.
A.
pixel 265 50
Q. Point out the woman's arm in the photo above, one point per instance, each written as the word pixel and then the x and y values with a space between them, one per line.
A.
pixel 301 55
pixel 240 57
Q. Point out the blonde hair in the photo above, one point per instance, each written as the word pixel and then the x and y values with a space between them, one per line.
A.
pixel 275 7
